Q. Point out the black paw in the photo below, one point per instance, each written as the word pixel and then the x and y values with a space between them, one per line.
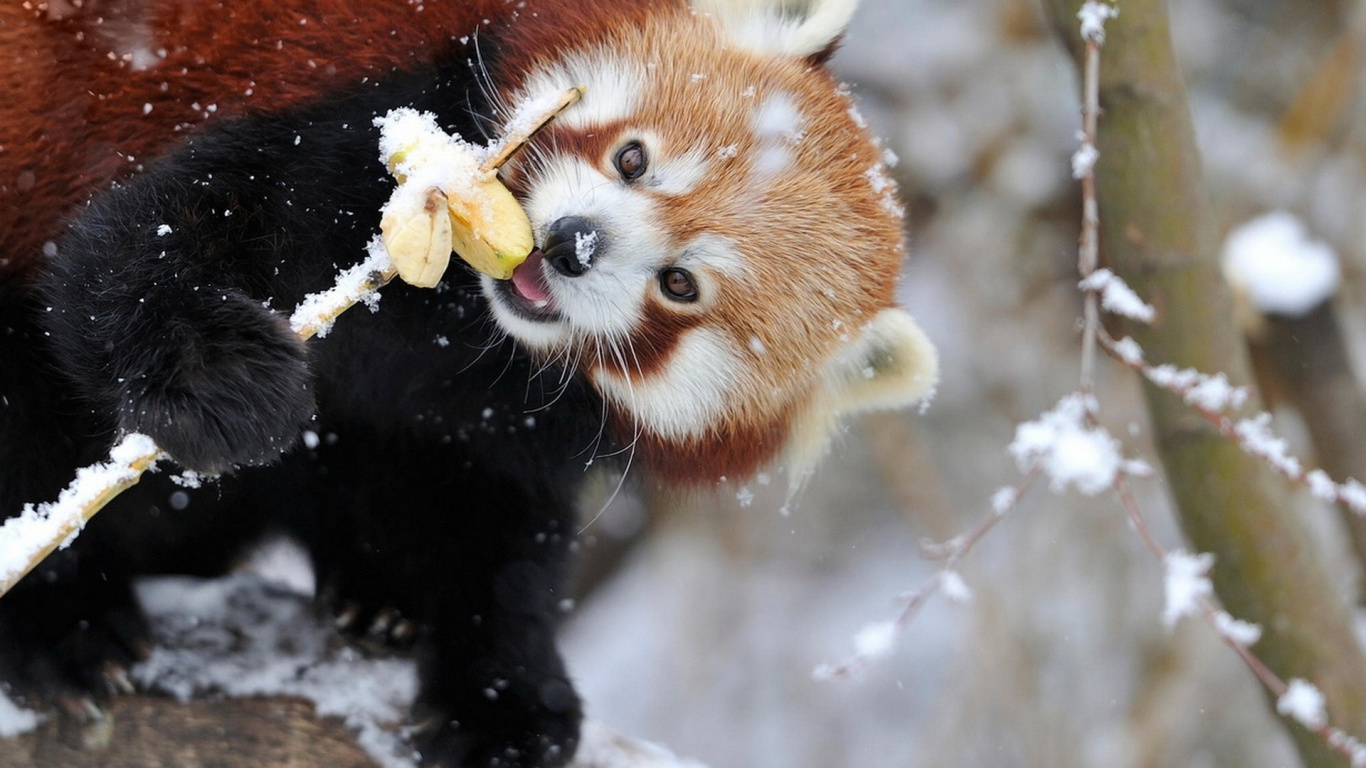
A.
pixel 71 644
pixel 227 383
pixel 541 731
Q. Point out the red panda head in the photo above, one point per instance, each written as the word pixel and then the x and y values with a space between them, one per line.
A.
pixel 718 240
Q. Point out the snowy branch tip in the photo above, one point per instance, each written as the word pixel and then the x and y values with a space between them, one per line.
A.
pixel 1093 16
pixel 1116 296
pixel 1070 451
pixel 1186 584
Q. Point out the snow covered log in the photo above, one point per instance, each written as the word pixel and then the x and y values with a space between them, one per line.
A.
pixel 243 673
pixel 157 732
pixel 1159 237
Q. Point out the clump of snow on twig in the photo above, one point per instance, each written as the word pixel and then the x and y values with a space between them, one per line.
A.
pixel 1279 266
pixel 1186 584
pixel 876 639
pixel 1257 439
pixel 1244 633
pixel 954 588
pixel 1212 393
pixel 1303 702
pixel 1093 16
pixel 23 537
pixel 1116 296
pixel 529 111
pixel 356 284
pixel 1070 451
pixel 1084 160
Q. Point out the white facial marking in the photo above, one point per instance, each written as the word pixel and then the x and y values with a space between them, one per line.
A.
pixel 679 175
pixel 712 251
pixel 612 88
pixel 779 125
pixel 692 391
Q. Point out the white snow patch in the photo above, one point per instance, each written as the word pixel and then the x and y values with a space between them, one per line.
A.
pixel 1280 267
pixel 243 637
pixel 1303 702
pixel 163 230
pixel 955 589
pixel 14 719
pixel 1186 584
pixel 1067 449
pixel 1003 499
pixel 585 246
pixel 1084 160
pixel 876 639
pixel 885 188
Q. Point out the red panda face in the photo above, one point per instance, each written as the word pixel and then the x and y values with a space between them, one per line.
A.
pixel 718 244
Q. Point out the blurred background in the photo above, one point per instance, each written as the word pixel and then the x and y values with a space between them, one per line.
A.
pixel 702 619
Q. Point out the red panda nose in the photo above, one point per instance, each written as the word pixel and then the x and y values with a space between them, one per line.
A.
pixel 571 244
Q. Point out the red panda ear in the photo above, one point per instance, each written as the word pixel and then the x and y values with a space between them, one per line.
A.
pixel 891 363
pixel 809 29
pixel 821 57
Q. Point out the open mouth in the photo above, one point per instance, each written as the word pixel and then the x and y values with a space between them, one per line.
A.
pixel 527 292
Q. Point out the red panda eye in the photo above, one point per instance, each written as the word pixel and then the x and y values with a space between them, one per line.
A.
pixel 678 285
pixel 630 161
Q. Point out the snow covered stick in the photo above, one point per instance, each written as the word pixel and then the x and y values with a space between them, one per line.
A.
pixel 26 540
pixel 41 529
pixel 1093 16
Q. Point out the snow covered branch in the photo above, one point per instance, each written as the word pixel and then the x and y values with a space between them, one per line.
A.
pixel 1249 552
pixel 41 529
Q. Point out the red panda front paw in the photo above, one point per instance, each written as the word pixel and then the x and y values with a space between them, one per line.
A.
pixel 70 643
pixel 225 384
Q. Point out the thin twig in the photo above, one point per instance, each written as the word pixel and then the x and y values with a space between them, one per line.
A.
pixel 1088 253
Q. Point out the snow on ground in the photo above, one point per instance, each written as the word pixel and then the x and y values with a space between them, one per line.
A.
pixel 247 636
pixel 14 719
pixel 243 636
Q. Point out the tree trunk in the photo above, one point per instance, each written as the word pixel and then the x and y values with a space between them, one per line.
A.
pixel 1156 232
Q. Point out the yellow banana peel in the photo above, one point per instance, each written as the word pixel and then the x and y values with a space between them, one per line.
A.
pixel 464 207
pixel 419 239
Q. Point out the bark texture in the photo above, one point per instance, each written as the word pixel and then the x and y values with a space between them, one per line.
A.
pixel 1157 234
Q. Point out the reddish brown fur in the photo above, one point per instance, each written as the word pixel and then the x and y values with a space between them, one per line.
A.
pixel 818 241
pixel 72 112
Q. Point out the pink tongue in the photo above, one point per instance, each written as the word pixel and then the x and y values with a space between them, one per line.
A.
pixel 528 280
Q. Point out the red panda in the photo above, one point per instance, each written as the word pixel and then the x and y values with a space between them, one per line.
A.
pixel 718 245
